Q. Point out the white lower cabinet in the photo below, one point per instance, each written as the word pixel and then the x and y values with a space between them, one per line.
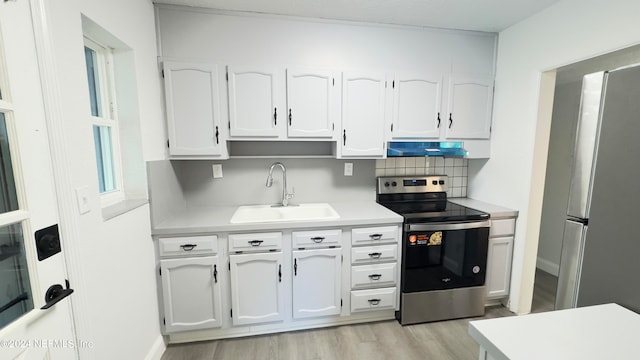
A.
pixel 256 288
pixel 191 293
pixel 316 282
pixel 499 257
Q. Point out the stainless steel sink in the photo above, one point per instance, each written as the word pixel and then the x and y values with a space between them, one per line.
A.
pixel 268 213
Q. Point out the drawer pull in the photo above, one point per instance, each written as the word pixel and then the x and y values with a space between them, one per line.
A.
pixel 375 276
pixel 255 242
pixel 375 236
pixel 375 255
pixel 374 301
pixel 317 239
pixel 188 247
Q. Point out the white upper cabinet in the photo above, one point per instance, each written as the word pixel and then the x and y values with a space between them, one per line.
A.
pixel 310 103
pixel 417 99
pixel 255 102
pixel 363 115
pixel 193 110
pixel 470 100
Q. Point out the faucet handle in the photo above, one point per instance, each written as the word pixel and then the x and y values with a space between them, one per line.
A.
pixel 292 194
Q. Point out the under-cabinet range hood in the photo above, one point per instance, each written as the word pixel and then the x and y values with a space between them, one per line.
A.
pixel 448 149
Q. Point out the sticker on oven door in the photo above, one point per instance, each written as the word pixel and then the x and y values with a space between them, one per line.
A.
pixel 435 238
pixel 412 239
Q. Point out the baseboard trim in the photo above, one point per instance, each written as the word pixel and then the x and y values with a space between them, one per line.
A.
pixel 548 266
pixel 157 349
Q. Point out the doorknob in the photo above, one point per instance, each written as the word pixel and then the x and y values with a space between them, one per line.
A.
pixel 55 293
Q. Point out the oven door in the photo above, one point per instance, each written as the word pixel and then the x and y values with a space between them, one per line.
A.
pixel 438 256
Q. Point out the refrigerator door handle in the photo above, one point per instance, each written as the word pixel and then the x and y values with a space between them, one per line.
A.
pixel 570 264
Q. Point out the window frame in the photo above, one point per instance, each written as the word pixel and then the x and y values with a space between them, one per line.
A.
pixel 109 117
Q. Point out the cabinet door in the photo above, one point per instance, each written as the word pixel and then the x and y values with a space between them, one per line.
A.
pixel 254 101
pixel 191 293
pixel 256 288
pixel 316 282
pixel 417 100
pixel 470 101
pixel 499 266
pixel 310 103
pixel 363 114
pixel 193 109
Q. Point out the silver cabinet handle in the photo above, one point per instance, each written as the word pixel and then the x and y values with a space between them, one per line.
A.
pixel 375 255
pixel 317 239
pixel 375 276
pixel 255 242
pixel 375 236
pixel 374 301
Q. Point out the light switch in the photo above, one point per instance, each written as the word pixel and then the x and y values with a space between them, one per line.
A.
pixel 217 171
pixel 82 197
pixel 348 169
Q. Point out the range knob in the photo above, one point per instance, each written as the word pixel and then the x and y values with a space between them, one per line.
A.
pixel 441 182
pixel 386 184
pixel 394 183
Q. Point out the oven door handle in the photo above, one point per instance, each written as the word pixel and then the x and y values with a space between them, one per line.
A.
pixel 447 226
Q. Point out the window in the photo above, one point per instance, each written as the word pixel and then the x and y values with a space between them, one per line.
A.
pixel 100 79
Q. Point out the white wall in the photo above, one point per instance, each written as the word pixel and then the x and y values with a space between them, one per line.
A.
pixel 112 261
pixel 567 32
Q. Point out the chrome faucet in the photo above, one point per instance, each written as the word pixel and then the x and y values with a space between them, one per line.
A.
pixel 285 196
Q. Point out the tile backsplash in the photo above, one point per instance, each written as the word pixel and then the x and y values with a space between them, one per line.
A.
pixel 455 168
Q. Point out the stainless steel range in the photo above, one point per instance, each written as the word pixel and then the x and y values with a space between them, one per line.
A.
pixel 444 250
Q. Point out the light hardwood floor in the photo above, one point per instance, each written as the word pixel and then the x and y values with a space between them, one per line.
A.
pixel 444 340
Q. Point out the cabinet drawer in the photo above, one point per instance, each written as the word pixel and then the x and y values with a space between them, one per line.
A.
pixel 374 235
pixel 503 227
pixel 374 254
pixel 374 299
pixel 255 242
pixel 377 275
pixel 316 238
pixel 188 245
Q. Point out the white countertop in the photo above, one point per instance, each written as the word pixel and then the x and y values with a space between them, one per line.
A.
pixel 596 332
pixel 216 219
pixel 495 211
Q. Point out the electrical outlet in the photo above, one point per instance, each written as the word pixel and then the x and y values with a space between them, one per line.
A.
pixel 217 171
pixel 348 169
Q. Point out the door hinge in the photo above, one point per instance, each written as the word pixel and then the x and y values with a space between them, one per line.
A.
pixel 333 126
pixel 163 73
pixel 160 271
pixel 168 144
pixel 229 265
pixel 227 76
pixel 231 312
pixel 334 81
pixel 340 302
pixel 341 258
pixel 391 127
pixel 393 84
pixel 229 125
pixel 164 321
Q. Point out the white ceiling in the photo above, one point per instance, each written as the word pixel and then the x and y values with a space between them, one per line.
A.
pixel 479 15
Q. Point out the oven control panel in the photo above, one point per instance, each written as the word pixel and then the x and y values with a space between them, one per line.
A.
pixel 417 184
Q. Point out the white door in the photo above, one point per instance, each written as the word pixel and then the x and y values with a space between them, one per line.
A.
pixel 310 103
pixel 27 204
pixel 363 114
pixel 470 102
pixel 316 282
pixel 193 109
pixel 191 293
pixel 417 100
pixel 256 283
pixel 254 101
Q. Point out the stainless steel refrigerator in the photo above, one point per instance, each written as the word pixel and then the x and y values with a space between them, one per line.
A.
pixel 600 259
